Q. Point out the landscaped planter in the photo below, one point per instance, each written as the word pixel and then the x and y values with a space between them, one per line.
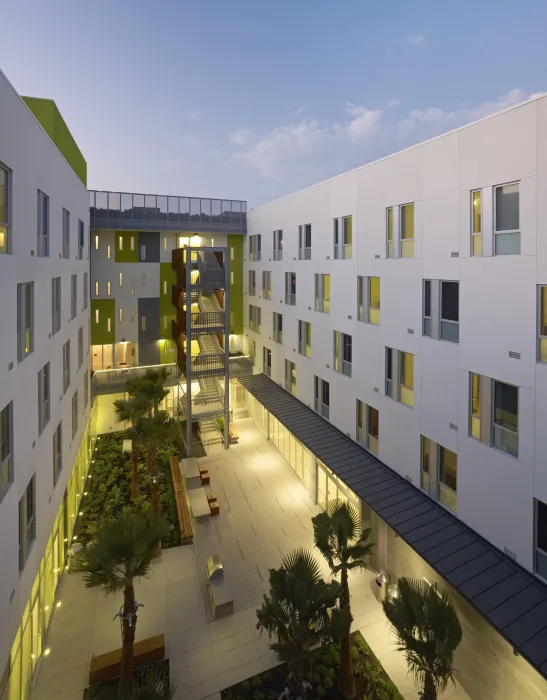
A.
pixel 161 668
pixel 109 488
pixel 371 681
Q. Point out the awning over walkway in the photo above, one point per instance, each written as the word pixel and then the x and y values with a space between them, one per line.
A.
pixel 507 595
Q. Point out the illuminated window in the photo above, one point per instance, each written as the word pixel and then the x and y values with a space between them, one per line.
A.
pixel 132 315
pixel 406 230
pixel 132 243
pixel 108 325
pixel 132 288
pixel 121 315
pixel 475 427
pixel 108 288
pixel 96 289
pixel 476 223
pixel 120 242
pixel 96 315
pixel 389 232
pixel 108 252
pixel 96 242
pixel 143 323
pixel 507 219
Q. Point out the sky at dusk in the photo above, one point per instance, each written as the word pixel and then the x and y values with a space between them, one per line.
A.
pixel 253 99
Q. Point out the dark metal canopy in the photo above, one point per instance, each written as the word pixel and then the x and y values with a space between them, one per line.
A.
pixel 507 595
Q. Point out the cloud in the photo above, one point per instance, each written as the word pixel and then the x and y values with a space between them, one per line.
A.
pixel 415 40
pixel 193 114
pixel 188 140
pixel 242 137
pixel 392 104
pixel 300 110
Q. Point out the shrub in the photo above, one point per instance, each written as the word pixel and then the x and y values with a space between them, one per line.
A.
pixel 259 695
pixel 245 686
pixel 267 676
pixel 354 653
pixel 322 670
pixel 315 679
pixel 257 681
pixel 325 658
pixel 320 692
pixel 328 683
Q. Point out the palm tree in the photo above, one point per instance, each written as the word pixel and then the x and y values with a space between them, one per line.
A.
pixel 299 611
pixel 154 685
pixel 122 551
pixel 338 536
pixel 150 387
pixel 131 410
pixel 428 632
pixel 155 431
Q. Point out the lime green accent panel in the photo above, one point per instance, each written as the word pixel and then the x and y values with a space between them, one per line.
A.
pixel 100 335
pixel 168 278
pixel 54 125
pixel 235 243
pixel 168 353
pixel 122 246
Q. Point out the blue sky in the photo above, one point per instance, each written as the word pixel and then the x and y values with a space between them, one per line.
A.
pixel 253 99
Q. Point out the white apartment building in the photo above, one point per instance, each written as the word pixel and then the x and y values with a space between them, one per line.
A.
pixel 405 301
pixel 45 402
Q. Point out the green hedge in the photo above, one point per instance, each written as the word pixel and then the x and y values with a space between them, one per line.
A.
pixel 109 489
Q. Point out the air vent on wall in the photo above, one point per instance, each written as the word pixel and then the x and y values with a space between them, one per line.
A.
pixel 377 257
pixel 327 366
pixel 309 308
pixel 269 260
pixel 328 257
pixel 376 390
pixel 514 355
pixel 33 444
pixel 510 554
pixel 293 350
pixel 410 331
pixel 453 426
pixel 32 252
pixel 10 366
pixel 294 258
pixel 350 317
pixel 454 255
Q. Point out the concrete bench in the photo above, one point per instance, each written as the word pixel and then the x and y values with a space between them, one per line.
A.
pixel 199 504
pixel 105 667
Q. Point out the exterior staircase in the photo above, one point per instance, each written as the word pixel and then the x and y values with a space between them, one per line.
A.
pixel 210 434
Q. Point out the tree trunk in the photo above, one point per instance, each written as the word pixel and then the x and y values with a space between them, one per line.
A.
pixel 129 623
pixel 153 473
pixel 135 488
pixel 430 691
pixel 346 680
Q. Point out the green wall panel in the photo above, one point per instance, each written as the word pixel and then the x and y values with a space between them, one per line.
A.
pixel 236 286
pixel 54 125
pixel 125 254
pixel 168 353
pixel 100 335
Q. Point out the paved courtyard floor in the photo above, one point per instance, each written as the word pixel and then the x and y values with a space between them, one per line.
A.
pixel 265 512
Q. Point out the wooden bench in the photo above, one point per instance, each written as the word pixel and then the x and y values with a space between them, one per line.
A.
pixel 234 437
pixel 183 510
pixel 214 505
pixel 204 477
pixel 105 667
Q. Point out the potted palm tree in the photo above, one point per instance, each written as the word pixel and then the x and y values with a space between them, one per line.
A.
pixel 428 632
pixel 338 536
pixel 121 552
pixel 298 612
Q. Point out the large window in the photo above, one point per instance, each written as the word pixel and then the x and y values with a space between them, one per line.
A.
pixel 66 234
pixel 66 366
pixel 74 414
pixel 441 313
pixel 304 338
pixel 343 238
pixel 278 245
pixel 406 230
pixel 439 473
pixel 368 299
pixel 4 210
pixel 290 288
pixel 81 345
pixel 255 247
pixel 390 253
pixel 304 242
pixel 266 284
pixel 476 223
pixel 321 396
pixel 27 522
pixel 426 464
pixel 507 219
pixel 427 326
pixel 57 452
pixel 252 283
pixel 6 448
pixel 506 415
pixel 81 240
pixel 475 419
pixel 55 305
pixel 277 327
pixel 342 353
pixel 290 377
pixel 255 320
pixel 322 293
pixel 25 320
pixel 542 324
pixel 368 421
pixel 74 296
pixel 399 372
pixel 267 361
pixel 540 565
pixel 43 398
pixel 43 224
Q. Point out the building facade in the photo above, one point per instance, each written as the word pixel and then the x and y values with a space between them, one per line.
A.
pixel 405 303
pixel 46 434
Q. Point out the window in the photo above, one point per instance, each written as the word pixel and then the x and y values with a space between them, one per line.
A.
pixel 252 283
pixel 389 233
pixel 278 245
pixel 476 223
pixel 132 315
pixel 57 452
pixel 450 314
pixel 505 424
pixel 542 340
pixel 66 234
pixel 439 473
pixel 290 288
pixel 427 326
pixel 86 388
pixel 27 522
pixel 368 421
pixel 132 289
pixel 252 351
pixel 255 248
pixel 108 252
pixel 343 238
pixel 322 293
pixel 277 327
pixel 266 284
pixel 368 299
pixel 290 377
pixel 342 353
pixel 507 219
pixel 304 242
pixel 164 283
pixel 4 210
pixel 108 289
pixel 43 224
pixel 109 324
pixel 73 296
pixel 66 366
pixel 85 290
pixel 120 243
pixel 143 279
pixel 406 230
pixel 540 564
pixel 475 418
pixel 321 396
pixel 74 413
pixel 81 240
pixel 304 338
pixel 96 315
pixel 80 346
pixel 55 305
pixel 399 371
pixel 25 320
pixel 255 321
pixel 97 244
pixel 267 361
pixel 96 289
pixel 120 316
pixel 143 252
pixel 131 243
pixel 6 448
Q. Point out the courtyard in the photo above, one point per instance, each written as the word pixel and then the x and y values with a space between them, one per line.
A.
pixel 265 512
